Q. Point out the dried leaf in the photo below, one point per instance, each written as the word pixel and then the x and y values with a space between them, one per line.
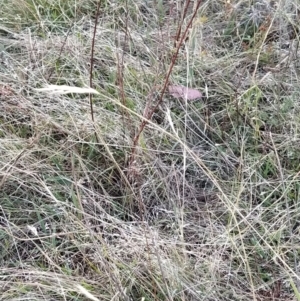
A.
pixel 184 92
pixel 33 230
pixel 203 19
pixel 86 293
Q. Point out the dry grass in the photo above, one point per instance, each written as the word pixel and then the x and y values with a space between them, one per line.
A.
pixel 209 207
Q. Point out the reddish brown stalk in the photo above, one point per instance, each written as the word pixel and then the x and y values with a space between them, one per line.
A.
pixel 92 65
pixel 178 32
pixel 148 114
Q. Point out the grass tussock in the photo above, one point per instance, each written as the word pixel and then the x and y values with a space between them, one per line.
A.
pixel 130 194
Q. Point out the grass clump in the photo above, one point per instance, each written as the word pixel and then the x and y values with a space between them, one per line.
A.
pixel 130 193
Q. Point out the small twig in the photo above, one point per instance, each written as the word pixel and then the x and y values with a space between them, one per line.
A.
pixel 92 65
pixel 61 50
pixel 178 32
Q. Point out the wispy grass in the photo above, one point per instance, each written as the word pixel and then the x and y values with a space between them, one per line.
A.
pixel 199 202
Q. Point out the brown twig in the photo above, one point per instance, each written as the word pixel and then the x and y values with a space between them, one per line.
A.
pixel 92 65
pixel 60 51
pixel 150 113
pixel 178 32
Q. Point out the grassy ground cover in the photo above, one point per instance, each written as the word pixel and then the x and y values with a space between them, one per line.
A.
pixel 130 193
